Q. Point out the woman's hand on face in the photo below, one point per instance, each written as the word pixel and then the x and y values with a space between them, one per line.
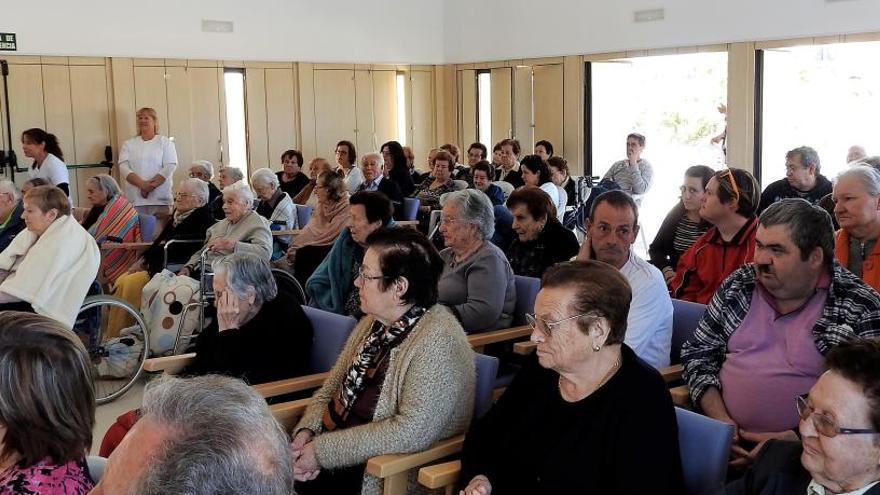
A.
pixel 229 312
pixel 478 486
pixel 306 467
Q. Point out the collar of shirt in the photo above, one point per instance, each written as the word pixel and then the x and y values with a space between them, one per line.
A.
pixel 373 184
pixel 824 283
pixel 816 489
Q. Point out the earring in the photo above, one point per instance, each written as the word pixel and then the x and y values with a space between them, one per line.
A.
pixel 596 347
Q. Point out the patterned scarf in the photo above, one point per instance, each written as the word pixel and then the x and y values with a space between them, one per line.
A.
pixel 376 348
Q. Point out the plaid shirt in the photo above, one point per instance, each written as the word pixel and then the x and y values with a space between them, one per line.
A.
pixel 852 310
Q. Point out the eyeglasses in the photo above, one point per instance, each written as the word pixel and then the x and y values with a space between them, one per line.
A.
pixel 368 278
pixel 448 220
pixel 183 195
pixel 548 327
pixel 826 426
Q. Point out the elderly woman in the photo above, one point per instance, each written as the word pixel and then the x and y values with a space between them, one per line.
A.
pixel 477 283
pixel 262 333
pixel 32 183
pixel 482 173
pixel 242 231
pixel 429 191
pixel 307 196
pixel 11 208
pixel 560 176
pixel 291 179
pixel 346 164
pixel 683 225
pixel 535 172
pixel 331 215
pixel 111 218
pixel 541 241
pixel 203 169
pixel 587 410
pixel 274 205
pixel 396 168
pixel 857 209
pixel 49 267
pixel 404 380
pixel 146 164
pixel 48 408
pixel 226 176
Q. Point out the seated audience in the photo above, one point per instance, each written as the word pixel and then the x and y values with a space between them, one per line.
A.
pixel 396 169
pixel 47 410
pixel 560 176
pixel 729 205
pixel 203 169
pixel 460 171
pixel 275 206
pixel 855 154
pixel 802 179
pixel 346 165
pixel 839 422
pixel 476 153
pixel 477 283
pixel 612 228
pixel 11 209
pixel 535 172
pixel 291 179
pixel 857 209
pixel 762 338
pixel 429 191
pixel 384 395
pixel 508 170
pixel 242 231
pixel 586 416
pixel 634 175
pixel 201 436
pixel 372 165
pixel 48 158
pixel 331 215
pixel 331 287
pixel 683 224
pixel 111 218
pixel 541 241
pixel 226 176
pixel 261 333
pixel 544 149
pixel 482 173
pixel 308 195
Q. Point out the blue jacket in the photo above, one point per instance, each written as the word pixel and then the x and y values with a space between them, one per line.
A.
pixel 496 195
pixel 13 227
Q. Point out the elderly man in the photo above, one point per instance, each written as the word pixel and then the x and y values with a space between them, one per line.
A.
pixel 203 169
pixel 612 228
pixel 11 207
pixel 839 425
pixel 331 287
pixel 762 338
pixel 855 153
pixel 634 175
pixel 201 436
pixel 857 209
pixel 373 165
pixel 802 179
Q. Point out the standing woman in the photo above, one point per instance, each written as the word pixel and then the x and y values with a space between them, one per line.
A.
pixel 395 167
pixel 48 158
pixel 146 166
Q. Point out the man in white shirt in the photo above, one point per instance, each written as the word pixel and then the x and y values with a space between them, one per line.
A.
pixel 612 228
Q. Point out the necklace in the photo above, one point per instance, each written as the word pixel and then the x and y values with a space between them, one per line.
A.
pixel 604 379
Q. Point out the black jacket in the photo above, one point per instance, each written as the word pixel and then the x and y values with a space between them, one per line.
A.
pixel 293 187
pixel 16 224
pixel 192 227
pixel 781 189
pixel 514 177
pixel 553 245
pixel 391 189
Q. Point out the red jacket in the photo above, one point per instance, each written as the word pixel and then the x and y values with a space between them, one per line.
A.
pixel 706 264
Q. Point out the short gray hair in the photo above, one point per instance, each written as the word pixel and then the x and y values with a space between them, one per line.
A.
pixel 7 186
pixel 240 189
pixel 265 177
pixel 867 175
pixel 809 226
pixel 107 185
pixel 232 172
pixel 475 207
pixel 205 165
pixel 198 187
pixel 808 156
pixel 374 154
pixel 224 439
pixel 245 271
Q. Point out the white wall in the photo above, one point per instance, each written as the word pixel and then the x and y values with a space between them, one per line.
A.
pixel 484 30
pixel 287 30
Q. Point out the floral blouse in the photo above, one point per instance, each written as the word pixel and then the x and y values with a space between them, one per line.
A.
pixel 45 478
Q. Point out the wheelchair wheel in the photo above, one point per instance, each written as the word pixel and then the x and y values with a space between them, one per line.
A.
pixel 117 360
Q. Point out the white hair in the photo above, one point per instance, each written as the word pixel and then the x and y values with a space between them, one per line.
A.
pixel 7 186
pixel 240 189
pixel 475 207
pixel 198 187
pixel 374 154
pixel 235 173
pixel 265 177
pixel 207 166
pixel 867 175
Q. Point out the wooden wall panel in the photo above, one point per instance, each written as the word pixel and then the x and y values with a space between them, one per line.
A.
pixel 180 112
pixel 421 134
pixel 149 91
pixel 257 130
pixel 467 87
pixel 334 109
pixel 523 120
pixel 572 144
pixel 91 114
pixel 26 108
pixel 365 126
pixel 307 124
pixel 384 107
pixel 548 103
pixel 281 117
pixel 205 96
pixel 502 101
pixel 58 111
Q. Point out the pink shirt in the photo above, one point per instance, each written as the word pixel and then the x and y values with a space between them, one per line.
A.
pixel 771 359
pixel 46 478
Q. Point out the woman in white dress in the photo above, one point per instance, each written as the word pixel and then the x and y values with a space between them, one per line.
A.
pixel 48 158
pixel 146 165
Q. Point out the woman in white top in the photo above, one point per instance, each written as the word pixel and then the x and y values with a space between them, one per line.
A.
pixel 48 158
pixel 535 172
pixel 346 163
pixel 146 164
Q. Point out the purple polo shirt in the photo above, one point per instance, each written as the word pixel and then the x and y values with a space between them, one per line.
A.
pixel 771 359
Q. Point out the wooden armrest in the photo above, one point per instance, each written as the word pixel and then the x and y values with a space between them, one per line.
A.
pixel 281 387
pixel 681 396
pixel 440 475
pixel 524 348
pixel 287 232
pixel 486 338
pixel 171 365
pixel 408 223
pixel 288 413
pixel 131 246
pixel 385 466
pixel 672 373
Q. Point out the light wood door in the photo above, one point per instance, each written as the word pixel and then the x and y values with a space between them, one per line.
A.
pixel 421 116
pixel 467 88
pixel 58 111
pixel 149 91
pixel 205 95
pixel 256 122
pixel 523 119
pixel 365 136
pixel 179 123
pixel 334 109
pixel 281 118
pixel 548 108
pixel 384 107
pixel 25 105
pixel 502 100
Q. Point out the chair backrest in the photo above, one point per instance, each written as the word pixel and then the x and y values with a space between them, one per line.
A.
pixel 487 370
pixel 303 214
pixel 460 184
pixel 148 227
pixel 526 291
pixel 331 331
pixel 506 187
pixel 411 208
pixel 96 466
pixel 704 444
pixel 685 316
pixel 283 277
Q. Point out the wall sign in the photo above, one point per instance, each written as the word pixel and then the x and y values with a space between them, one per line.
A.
pixel 8 42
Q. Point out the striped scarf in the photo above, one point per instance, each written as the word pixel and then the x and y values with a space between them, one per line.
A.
pixel 119 219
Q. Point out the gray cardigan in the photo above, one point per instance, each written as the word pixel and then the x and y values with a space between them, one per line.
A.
pixel 251 233
pixel 481 290
pixel 427 396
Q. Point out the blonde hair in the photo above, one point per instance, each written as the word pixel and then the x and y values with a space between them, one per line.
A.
pixel 153 115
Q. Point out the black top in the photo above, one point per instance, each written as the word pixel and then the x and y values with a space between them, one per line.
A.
pixel 554 244
pixel 213 192
pixel 404 180
pixel 193 227
pixel 275 344
pixel 391 189
pixel 662 250
pixel 294 186
pixel 514 177
pixel 13 226
pixel 781 189
pixel 621 439
pixel 571 190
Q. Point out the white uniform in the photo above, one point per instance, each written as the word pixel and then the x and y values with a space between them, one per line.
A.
pixel 52 170
pixel 146 159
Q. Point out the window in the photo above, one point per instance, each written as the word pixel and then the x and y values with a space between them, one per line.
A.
pixel 235 119
pixel 484 106
pixel 401 108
